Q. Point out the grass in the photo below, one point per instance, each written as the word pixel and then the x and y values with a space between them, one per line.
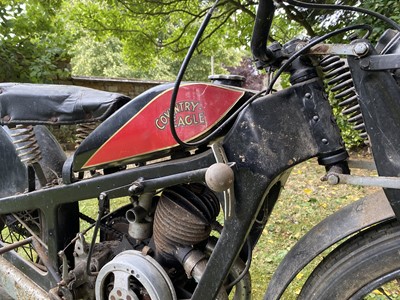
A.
pixel 304 202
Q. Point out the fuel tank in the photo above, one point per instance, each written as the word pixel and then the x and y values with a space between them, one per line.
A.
pixel 139 131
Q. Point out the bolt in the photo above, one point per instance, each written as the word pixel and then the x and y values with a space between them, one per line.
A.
pixel 361 49
pixel 364 63
pixel 333 179
pixel 324 141
pixel 307 95
pixel 316 118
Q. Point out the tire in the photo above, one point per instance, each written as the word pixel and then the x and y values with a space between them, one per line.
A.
pixel 359 266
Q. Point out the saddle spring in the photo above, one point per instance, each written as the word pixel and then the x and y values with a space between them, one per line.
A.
pixel 26 144
pixel 82 131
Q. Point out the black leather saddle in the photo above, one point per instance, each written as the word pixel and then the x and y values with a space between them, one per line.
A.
pixel 22 103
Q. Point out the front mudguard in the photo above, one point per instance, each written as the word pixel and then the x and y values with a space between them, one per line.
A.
pixel 356 216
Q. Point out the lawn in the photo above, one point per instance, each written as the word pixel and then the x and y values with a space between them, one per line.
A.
pixel 304 202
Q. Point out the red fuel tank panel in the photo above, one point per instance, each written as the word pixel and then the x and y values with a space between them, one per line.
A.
pixel 199 107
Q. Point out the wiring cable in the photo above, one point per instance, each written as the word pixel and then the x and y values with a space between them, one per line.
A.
pixel 268 90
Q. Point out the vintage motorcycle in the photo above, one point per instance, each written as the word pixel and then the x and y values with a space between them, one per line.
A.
pixel 179 152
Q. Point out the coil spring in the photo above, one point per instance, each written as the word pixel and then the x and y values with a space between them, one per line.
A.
pixel 25 143
pixel 82 131
pixel 337 74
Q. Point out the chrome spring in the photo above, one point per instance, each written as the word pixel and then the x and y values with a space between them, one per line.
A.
pixel 25 143
pixel 82 131
pixel 338 76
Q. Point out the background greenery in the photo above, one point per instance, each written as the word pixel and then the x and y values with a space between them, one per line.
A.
pixel 47 40
pixel 147 38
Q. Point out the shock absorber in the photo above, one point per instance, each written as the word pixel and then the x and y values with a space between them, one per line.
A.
pixel 25 143
pixel 28 149
pixel 338 76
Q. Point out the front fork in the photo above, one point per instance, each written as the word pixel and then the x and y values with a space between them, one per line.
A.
pixel 378 96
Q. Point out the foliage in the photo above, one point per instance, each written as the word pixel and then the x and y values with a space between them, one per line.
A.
pixel 32 41
pixel 99 58
pixel 150 29
pixel 149 38
pixel 350 136
pixel 389 8
pixel 106 58
pixel 253 79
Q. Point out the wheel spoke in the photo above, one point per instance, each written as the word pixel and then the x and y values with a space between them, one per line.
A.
pixel 15 231
pixel 384 293
pixel 121 279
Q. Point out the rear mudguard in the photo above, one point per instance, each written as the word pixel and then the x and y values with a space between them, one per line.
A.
pixel 12 170
pixel 13 173
pixel 365 212
pixel 14 177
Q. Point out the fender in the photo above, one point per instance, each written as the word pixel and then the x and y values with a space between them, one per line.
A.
pixel 13 172
pixel 354 217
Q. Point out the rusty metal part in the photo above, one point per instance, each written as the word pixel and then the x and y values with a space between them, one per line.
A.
pixel 358 49
pixel 17 285
pixel 82 131
pixel 15 245
pixel 41 251
pixel 195 264
pixel 27 228
pixel 26 144
pixel 380 181
pixel 184 217
pixel 140 218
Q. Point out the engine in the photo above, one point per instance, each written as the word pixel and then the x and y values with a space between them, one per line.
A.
pixel 156 248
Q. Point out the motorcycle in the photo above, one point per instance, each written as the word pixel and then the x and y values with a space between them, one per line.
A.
pixel 202 165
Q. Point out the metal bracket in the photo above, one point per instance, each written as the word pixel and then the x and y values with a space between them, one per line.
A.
pixel 229 194
pixel 338 49
pixel 380 62
pixel 379 181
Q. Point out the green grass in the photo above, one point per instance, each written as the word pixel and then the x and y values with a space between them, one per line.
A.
pixel 304 202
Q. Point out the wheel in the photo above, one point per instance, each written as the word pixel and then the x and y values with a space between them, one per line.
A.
pixel 17 227
pixel 367 266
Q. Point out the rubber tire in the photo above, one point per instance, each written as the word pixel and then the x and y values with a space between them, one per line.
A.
pixel 368 256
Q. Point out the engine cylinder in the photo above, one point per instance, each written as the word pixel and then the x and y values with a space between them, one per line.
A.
pixel 183 217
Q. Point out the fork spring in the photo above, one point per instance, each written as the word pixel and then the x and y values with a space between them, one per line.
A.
pixel 338 76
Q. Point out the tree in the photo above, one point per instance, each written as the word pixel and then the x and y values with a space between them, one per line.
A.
pixel 33 44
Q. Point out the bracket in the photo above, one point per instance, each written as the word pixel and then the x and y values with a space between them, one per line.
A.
pixel 229 194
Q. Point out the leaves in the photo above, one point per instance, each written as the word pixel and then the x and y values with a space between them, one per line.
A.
pixel 32 46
